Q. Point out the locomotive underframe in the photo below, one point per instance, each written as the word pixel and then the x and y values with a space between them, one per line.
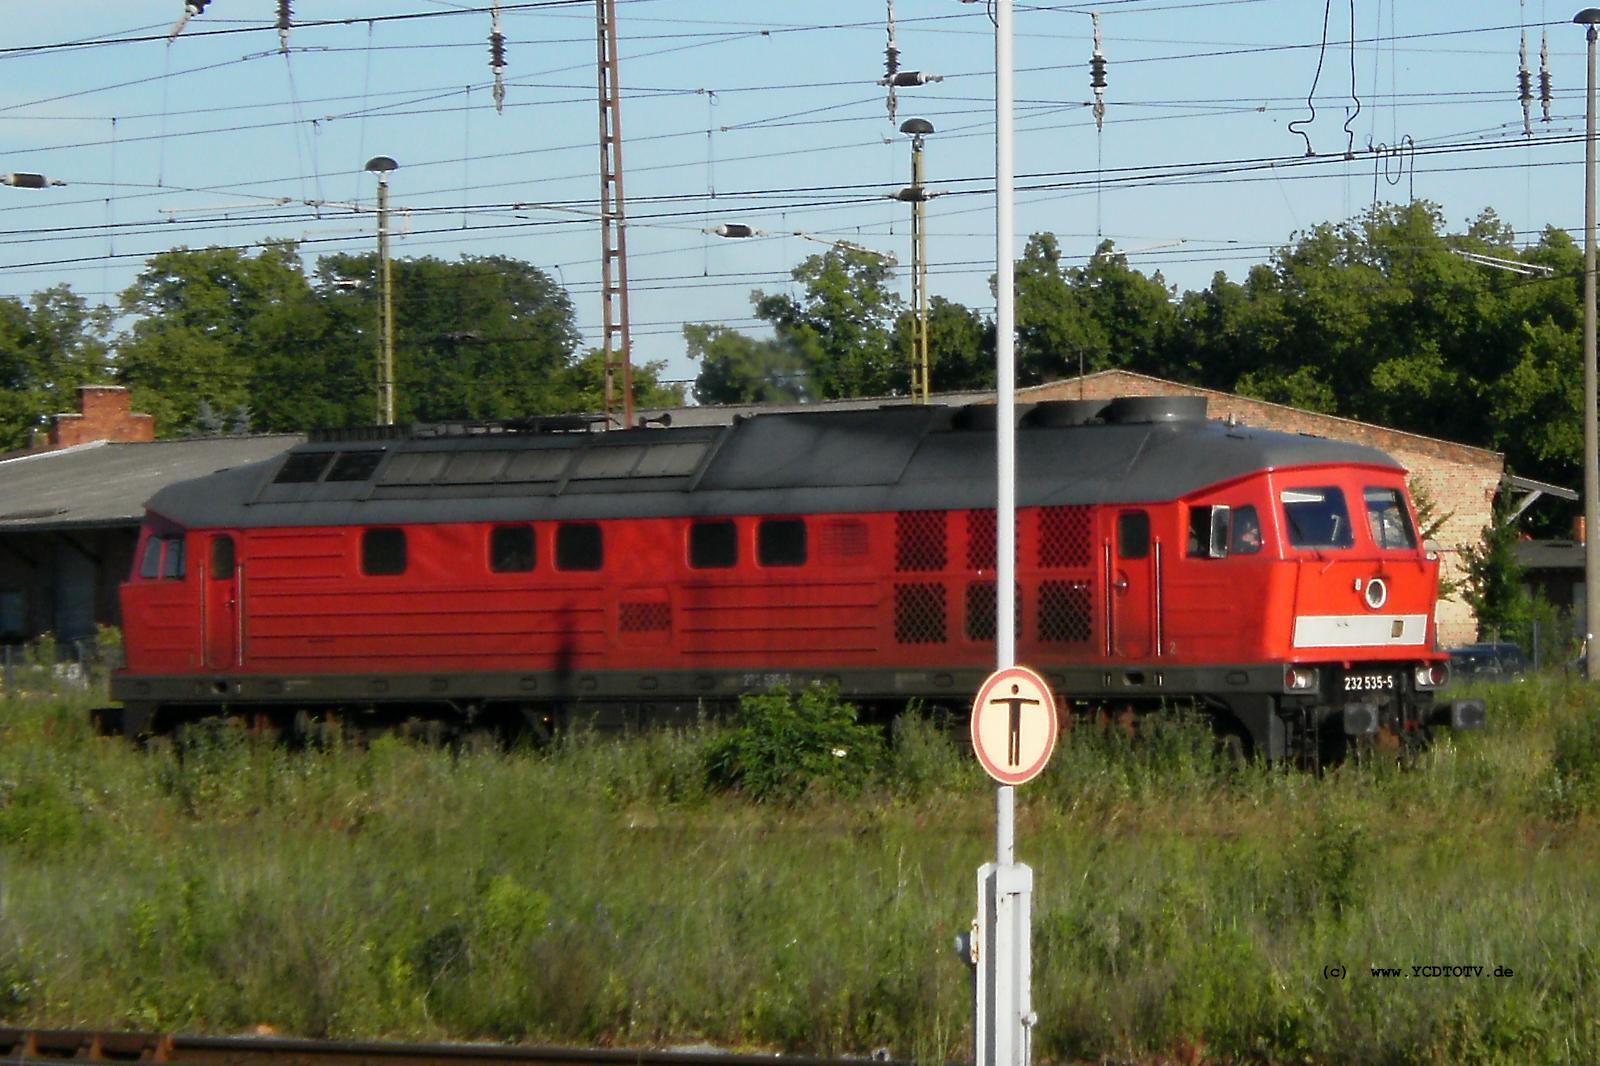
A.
pixel 1247 702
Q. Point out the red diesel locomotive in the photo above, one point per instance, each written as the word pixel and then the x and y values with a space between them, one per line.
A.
pixel 518 574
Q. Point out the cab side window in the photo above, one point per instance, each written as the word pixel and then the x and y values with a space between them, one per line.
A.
pixel 163 558
pixel 1245 537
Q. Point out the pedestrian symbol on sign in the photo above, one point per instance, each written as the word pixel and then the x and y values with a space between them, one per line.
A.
pixel 1014 725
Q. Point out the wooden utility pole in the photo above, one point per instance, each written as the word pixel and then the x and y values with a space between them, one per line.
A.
pixel 616 343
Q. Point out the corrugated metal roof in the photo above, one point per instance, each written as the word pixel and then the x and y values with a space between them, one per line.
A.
pixel 104 484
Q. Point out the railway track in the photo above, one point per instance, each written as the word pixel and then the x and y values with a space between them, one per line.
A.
pixel 52 1047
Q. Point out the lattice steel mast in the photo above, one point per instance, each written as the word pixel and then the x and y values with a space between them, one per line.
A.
pixel 616 342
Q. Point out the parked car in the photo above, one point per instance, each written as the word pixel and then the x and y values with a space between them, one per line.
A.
pixel 1487 662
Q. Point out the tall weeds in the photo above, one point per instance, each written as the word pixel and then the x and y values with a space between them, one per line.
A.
pixel 632 892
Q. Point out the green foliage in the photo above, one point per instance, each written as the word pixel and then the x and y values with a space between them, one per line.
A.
pixel 1184 907
pixel 736 369
pixel 1493 585
pixel 48 347
pixel 1574 782
pixel 788 743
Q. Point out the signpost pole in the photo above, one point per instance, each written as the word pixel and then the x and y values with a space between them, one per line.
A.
pixel 1001 951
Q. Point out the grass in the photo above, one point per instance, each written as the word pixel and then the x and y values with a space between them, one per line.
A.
pixel 607 892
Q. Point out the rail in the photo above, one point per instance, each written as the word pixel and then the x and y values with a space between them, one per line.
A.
pixel 52 1047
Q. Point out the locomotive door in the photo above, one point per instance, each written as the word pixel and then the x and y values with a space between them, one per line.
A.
pixel 221 601
pixel 1129 585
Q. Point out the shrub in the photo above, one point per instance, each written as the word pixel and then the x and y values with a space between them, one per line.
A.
pixel 788 743
pixel 1574 787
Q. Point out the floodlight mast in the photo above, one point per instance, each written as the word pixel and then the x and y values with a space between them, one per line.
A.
pixel 382 166
pixel 917 195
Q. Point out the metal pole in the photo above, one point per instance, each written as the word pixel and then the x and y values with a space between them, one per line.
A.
pixel 919 275
pixel 386 312
pixel 1003 1009
pixel 1591 439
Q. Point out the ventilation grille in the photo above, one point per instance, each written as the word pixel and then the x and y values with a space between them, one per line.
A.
pixel 645 617
pixel 981 540
pixel 1065 612
pixel 1064 537
pixel 919 541
pixel 919 614
pixel 981 611
pixel 845 539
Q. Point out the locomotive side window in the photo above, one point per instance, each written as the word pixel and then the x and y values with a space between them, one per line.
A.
pixel 162 558
pixel 1133 534
pixel 1246 536
pixel 150 561
pixel 172 565
pixel 713 545
pixel 781 542
pixel 383 551
pixel 511 549
pixel 302 467
pixel 1208 531
pixel 1317 518
pixel 1388 519
pixel 579 546
pixel 222 558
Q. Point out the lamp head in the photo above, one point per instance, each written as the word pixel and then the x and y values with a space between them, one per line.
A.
pixel 381 164
pixel 918 127
pixel 1589 16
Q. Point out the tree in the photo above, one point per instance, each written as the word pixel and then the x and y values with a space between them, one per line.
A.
pixel 737 369
pixel 1493 585
pixel 1101 315
pixel 48 347
pixel 208 321
pixel 581 386
pixel 476 338
pixel 842 325
pixel 960 346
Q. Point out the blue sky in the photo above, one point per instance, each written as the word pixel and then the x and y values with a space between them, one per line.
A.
pixel 764 114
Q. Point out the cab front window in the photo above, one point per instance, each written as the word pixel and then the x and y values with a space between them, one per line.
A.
pixel 1388 519
pixel 1316 517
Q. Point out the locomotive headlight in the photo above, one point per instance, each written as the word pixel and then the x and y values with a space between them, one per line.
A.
pixel 1432 675
pixel 1300 679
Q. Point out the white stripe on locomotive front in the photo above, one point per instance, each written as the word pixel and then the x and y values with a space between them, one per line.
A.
pixel 1357 630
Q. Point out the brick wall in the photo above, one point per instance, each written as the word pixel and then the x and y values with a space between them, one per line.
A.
pixel 104 413
pixel 1462 480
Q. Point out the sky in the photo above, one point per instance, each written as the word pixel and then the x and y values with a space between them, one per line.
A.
pixel 767 115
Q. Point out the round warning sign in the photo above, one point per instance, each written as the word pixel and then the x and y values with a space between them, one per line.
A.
pixel 1014 725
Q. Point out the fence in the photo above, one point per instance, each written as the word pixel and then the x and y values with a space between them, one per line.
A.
pixel 58 668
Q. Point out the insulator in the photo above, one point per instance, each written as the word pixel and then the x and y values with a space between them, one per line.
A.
pixel 908 78
pixel 1545 83
pixel 1524 86
pixel 194 7
pixel 497 51
pixel 1097 72
pixel 285 12
pixel 891 61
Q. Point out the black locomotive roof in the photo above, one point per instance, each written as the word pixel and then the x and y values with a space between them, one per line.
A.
pixel 893 458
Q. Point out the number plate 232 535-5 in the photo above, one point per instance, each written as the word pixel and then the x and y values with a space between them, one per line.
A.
pixel 1369 682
